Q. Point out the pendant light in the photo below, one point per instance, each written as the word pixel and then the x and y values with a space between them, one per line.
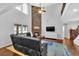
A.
pixel 41 10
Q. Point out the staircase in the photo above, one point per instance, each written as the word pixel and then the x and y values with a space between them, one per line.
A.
pixel 74 33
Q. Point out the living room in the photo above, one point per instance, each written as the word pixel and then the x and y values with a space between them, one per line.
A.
pixel 15 11
pixel 47 25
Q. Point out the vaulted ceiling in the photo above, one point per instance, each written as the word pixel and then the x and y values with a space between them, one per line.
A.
pixel 42 4
pixel 71 13
pixel 5 7
pixel 70 10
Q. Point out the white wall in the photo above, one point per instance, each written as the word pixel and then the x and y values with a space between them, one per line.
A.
pixel 52 18
pixel 29 20
pixel 7 22
pixel 70 25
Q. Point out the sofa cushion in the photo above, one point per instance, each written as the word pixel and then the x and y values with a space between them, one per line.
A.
pixel 18 47
pixel 31 52
pixel 33 44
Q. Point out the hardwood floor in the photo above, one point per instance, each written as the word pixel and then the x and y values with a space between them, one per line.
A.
pixel 6 52
pixel 72 47
pixel 11 48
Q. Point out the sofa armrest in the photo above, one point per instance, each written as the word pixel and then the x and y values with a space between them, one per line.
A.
pixel 43 48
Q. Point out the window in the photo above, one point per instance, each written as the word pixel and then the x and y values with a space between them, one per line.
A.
pixel 23 8
pixel 24 29
pixel 15 30
pixel 18 28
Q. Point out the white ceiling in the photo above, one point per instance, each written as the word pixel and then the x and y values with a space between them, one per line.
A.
pixel 71 12
pixel 68 14
pixel 42 4
pixel 5 7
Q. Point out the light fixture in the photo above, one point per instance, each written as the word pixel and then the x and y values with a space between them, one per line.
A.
pixel 75 10
pixel 36 27
pixel 41 10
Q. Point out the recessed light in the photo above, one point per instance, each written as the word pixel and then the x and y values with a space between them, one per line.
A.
pixel 75 10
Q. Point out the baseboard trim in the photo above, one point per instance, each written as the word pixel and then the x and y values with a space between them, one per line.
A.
pixel 6 46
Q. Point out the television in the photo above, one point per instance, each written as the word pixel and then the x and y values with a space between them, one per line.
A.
pixel 50 29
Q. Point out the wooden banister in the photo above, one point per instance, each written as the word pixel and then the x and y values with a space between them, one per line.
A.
pixel 74 33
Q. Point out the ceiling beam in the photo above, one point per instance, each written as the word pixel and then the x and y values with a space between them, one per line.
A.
pixel 63 7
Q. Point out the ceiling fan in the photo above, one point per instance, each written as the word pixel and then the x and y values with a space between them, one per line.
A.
pixel 40 9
